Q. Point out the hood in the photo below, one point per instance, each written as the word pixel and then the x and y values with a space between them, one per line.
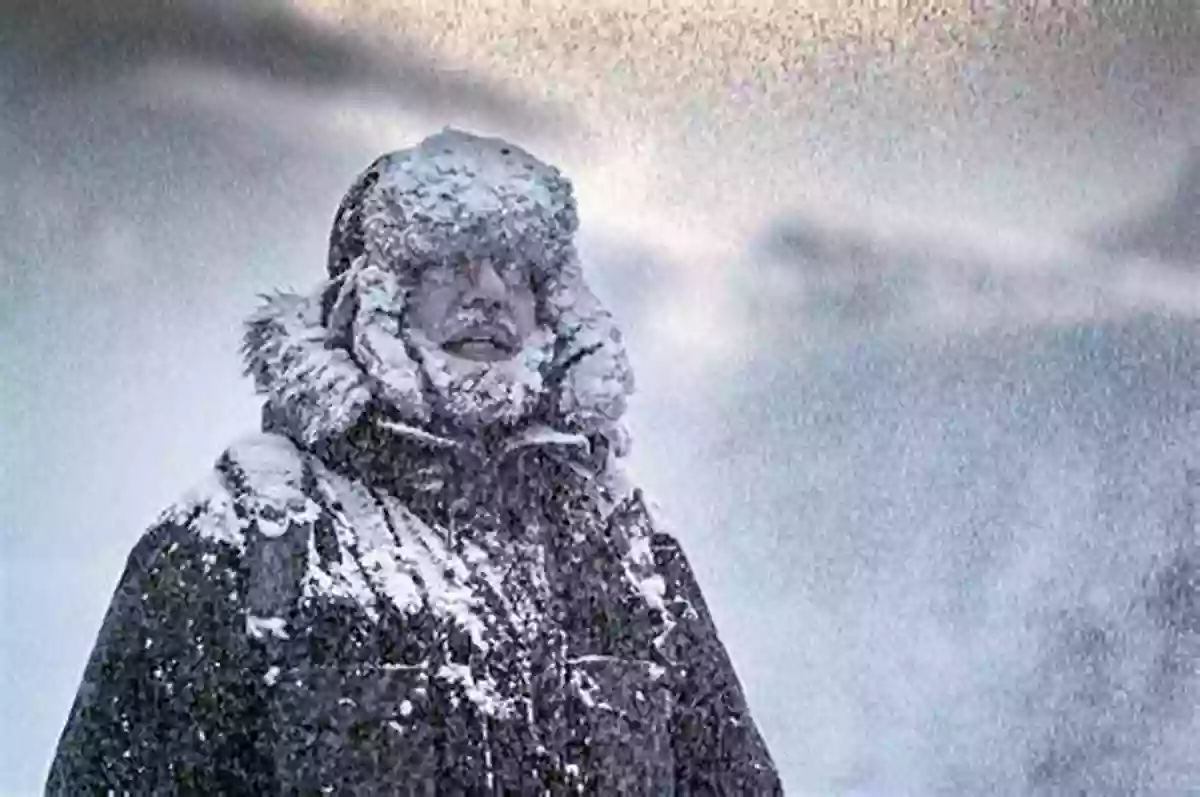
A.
pixel 453 194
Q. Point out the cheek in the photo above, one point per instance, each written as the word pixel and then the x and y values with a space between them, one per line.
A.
pixel 525 314
pixel 429 309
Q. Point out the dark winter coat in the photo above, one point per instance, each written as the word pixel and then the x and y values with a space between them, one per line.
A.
pixel 223 667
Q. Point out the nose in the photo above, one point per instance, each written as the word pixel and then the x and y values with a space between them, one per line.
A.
pixel 486 282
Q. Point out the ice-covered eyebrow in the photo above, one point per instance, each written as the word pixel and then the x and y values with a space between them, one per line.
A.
pixel 506 267
pixel 440 271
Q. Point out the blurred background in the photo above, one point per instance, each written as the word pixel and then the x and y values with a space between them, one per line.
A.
pixel 913 291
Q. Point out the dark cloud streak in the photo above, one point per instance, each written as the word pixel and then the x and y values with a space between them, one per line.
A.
pixel 1168 229
pixel 61 45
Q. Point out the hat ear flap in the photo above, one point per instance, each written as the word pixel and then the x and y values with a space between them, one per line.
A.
pixel 591 377
pixel 347 238
pixel 339 306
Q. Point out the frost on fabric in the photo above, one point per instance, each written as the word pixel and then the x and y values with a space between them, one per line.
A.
pixel 447 578
pixel 365 526
pixel 271 470
pixel 482 693
pixel 208 509
pixel 381 540
pixel 376 339
pixel 612 477
pixel 315 387
pixel 417 433
pixel 342 578
pixel 586 688
pixel 638 562
pixel 386 552
pixel 261 627
pixel 265 471
pixel 653 589
pixel 543 434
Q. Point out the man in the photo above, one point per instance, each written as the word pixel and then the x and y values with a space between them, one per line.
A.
pixel 426 575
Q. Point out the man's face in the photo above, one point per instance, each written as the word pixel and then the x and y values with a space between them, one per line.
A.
pixel 481 310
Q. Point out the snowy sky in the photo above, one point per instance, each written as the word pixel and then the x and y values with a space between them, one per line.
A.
pixel 883 458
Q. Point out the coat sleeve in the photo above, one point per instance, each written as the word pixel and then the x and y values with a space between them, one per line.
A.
pixel 168 701
pixel 718 748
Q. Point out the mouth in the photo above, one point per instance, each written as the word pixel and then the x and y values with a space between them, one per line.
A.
pixel 481 346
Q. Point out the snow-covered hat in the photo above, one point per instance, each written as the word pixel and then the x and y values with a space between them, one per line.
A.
pixel 455 194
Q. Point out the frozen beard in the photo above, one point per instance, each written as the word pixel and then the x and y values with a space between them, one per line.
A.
pixel 420 380
pixel 473 394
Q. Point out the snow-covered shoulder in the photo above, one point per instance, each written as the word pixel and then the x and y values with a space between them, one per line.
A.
pixel 256 484
pixel 207 510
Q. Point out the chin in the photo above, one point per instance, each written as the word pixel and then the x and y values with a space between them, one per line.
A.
pixel 477 392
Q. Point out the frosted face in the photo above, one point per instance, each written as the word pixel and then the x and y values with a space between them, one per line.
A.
pixel 480 310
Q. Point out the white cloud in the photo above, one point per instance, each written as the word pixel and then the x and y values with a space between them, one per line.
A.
pixel 900 277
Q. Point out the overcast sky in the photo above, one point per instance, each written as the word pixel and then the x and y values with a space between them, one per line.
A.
pixel 895 405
